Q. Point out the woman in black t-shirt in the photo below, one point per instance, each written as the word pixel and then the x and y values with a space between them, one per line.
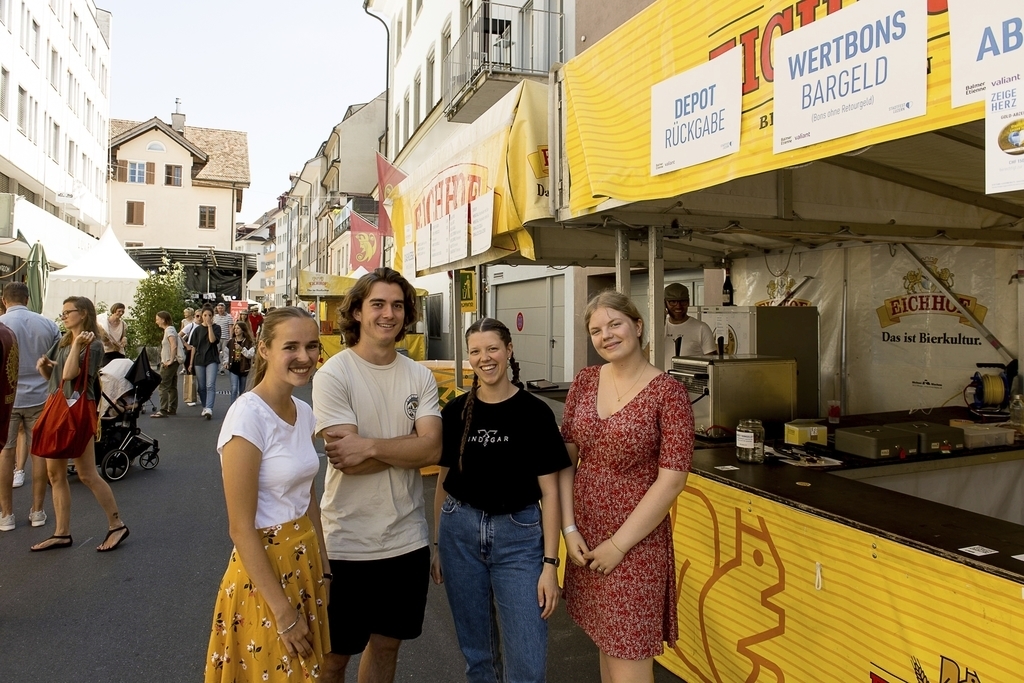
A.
pixel 497 549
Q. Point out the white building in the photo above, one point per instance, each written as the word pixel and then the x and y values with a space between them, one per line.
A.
pixel 176 186
pixel 54 110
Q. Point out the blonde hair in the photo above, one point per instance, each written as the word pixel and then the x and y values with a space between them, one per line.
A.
pixel 609 298
pixel 267 334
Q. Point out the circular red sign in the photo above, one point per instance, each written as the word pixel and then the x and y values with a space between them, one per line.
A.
pixel 519 321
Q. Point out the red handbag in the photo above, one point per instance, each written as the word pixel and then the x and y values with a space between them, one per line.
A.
pixel 62 431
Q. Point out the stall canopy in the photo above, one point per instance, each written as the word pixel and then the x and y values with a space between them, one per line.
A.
pixel 105 274
pixel 323 285
pixel 64 244
pixel 919 180
pixel 499 165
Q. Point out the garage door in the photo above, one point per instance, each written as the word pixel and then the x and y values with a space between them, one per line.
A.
pixel 534 311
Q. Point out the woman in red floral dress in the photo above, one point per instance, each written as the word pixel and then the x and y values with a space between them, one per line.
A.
pixel 629 430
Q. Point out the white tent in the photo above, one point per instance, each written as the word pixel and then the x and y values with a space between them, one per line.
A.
pixel 106 274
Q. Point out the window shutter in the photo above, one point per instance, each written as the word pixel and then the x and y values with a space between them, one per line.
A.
pixel 140 213
pixel 122 171
pixel 150 172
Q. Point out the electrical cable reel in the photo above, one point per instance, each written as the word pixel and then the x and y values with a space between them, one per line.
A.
pixel 991 390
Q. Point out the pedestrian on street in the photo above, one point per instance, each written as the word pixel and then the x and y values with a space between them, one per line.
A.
pixel 187 316
pixel 270 618
pixel 204 341
pixel 223 320
pixel 8 389
pixel 36 335
pixel 255 320
pixel 493 474
pixel 170 358
pixel 378 412
pixel 189 380
pixel 241 348
pixel 112 333
pixel 630 428
pixel 65 360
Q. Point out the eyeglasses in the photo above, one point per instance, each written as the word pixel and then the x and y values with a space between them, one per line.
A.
pixel 64 314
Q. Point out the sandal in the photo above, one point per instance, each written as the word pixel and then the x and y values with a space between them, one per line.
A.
pixel 63 542
pixel 156 414
pixel 123 536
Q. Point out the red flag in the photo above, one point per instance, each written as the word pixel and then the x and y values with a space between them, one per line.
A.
pixel 365 245
pixel 388 176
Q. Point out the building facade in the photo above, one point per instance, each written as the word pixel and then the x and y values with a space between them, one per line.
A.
pixel 176 186
pixel 55 107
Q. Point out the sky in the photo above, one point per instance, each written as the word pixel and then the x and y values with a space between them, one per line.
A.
pixel 283 72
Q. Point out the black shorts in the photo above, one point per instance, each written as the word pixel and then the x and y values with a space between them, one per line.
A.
pixel 384 597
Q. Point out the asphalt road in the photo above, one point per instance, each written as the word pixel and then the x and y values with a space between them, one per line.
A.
pixel 143 612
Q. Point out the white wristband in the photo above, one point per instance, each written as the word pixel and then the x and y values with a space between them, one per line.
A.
pixel 569 529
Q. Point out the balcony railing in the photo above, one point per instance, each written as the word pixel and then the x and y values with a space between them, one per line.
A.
pixel 501 39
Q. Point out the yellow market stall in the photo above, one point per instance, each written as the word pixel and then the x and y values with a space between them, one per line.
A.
pixel 784 573
pixel 328 292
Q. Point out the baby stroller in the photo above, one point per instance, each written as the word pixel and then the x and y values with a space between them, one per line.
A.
pixel 125 387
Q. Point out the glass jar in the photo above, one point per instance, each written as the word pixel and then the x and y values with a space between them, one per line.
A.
pixel 1017 413
pixel 750 441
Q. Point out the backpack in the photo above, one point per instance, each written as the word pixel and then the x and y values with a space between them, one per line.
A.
pixel 180 347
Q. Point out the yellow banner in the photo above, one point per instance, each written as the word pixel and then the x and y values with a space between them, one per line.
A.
pixel 321 284
pixel 769 594
pixel 608 95
pixel 505 150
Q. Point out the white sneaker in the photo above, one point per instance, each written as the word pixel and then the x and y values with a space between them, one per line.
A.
pixel 37 517
pixel 207 413
pixel 7 523
pixel 19 478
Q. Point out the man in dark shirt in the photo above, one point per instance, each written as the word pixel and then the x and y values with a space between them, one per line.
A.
pixel 8 391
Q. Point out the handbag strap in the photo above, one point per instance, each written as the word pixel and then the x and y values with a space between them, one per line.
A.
pixel 83 373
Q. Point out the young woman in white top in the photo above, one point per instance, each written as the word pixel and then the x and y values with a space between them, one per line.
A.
pixel 270 620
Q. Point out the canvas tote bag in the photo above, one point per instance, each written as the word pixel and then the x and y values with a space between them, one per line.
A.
pixel 65 426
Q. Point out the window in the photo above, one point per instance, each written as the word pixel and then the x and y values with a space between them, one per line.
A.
pixel 416 102
pixel 69 160
pixel 428 75
pixel 419 6
pixel 172 175
pixel 405 119
pixel 135 214
pixel 34 43
pixel 5 12
pixel 22 109
pixel 398 124
pixel 136 171
pixel 55 142
pixel 76 30
pixel 5 77
pixel 467 14
pixel 408 16
pixel 446 41
pixel 398 39
pixel 208 217
pixel 156 146
pixel 55 70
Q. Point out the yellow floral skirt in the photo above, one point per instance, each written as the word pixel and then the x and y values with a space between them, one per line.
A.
pixel 244 645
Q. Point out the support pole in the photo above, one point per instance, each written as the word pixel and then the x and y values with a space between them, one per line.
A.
pixel 656 296
pixel 456 296
pixel 622 261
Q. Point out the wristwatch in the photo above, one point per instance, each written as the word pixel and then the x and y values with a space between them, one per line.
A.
pixel 552 560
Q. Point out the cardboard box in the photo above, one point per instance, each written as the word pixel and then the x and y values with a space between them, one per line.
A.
pixel 799 432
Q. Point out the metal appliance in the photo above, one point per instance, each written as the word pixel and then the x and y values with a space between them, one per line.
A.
pixel 782 331
pixel 724 390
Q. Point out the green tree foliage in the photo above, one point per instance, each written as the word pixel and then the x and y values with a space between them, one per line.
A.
pixel 163 290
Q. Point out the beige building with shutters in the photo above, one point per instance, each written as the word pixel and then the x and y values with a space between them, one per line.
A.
pixel 176 186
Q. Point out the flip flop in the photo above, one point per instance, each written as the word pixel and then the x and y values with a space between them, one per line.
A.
pixel 65 542
pixel 109 534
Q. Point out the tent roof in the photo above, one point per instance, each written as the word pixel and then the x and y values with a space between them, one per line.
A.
pixel 105 261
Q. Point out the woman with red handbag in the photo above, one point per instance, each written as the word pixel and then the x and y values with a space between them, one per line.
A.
pixel 67 426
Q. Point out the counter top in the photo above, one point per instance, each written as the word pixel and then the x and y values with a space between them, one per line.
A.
pixel 932 527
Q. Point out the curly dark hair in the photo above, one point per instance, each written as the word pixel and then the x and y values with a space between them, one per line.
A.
pixel 353 302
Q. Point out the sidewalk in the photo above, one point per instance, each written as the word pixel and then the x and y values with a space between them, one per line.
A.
pixel 144 611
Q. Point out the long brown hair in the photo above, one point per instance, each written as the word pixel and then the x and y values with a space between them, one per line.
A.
pixel 267 333
pixel 84 306
pixel 248 340
pixel 485 325
pixel 353 302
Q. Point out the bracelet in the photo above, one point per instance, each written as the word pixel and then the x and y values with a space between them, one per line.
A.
pixel 329 576
pixel 569 529
pixel 612 541
pixel 294 624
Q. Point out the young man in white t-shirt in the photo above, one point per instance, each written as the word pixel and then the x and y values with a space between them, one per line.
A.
pixel 697 337
pixel 378 413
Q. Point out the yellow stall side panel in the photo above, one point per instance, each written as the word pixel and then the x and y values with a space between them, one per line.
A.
pixel 770 594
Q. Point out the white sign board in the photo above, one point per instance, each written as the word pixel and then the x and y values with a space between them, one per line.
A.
pixel 458 247
pixel 861 68
pixel 481 216
pixel 984 36
pixel 439 242
pixel 1004 131
pixel 409 260
pixel 423 248
pixel 695 115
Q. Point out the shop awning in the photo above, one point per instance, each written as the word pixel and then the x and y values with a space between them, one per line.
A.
pixel 503 152
pixel 919 180
pixel 63 243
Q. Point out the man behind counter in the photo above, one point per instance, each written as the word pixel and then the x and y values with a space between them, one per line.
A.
pixel 697 338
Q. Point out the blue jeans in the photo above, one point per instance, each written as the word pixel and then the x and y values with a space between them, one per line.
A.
pixel 491 565
pixel 206 384
pixel 238 383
